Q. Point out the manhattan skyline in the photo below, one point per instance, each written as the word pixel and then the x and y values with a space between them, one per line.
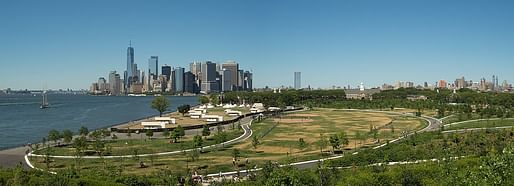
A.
pixel 66 45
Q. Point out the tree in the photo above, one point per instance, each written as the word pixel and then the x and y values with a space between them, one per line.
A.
pixel 160 104
pixel 180 131
pixel 236 153
pixel 322 143
pixel 105 133
pixel 175 135
pixel 302 144
pixel 183 109
pixel 220 137
pixel 166 133
pixel 255 142
pixel 67 135
pixel 206 131
pixel 54 135
pixel 149 133
pixel 334 142
pixel 83 131
pixel 343 139
pixel 96 135
pixel 197 141
pixel 215 100
pixel 194 154
pixel 203 100
pixel 80 145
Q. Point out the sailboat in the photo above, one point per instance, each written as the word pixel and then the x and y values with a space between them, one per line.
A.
pixel 44 102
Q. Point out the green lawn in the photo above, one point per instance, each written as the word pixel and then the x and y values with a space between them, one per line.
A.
pixel 142 146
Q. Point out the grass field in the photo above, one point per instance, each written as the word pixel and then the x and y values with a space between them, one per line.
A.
pixel 142 145
pixel 278 142
pixel 481 124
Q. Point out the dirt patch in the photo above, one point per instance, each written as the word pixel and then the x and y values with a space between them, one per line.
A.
pixel 301 115
pixel 293 120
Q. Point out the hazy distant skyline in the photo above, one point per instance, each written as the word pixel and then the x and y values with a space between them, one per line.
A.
pixel 69 44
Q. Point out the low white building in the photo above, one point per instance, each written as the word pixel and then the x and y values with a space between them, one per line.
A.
pixel 166 119
pixel 153 124
pixel 212 118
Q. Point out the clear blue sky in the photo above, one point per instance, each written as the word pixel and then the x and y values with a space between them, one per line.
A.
pixel 69 44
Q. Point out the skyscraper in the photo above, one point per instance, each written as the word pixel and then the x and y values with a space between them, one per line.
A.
pixel 297 80
pixel 248 81
pixel 209 75
pixel 179 79
pixel 130 65
pixel 153 65
pixel 240 79
pixel 233 67
pixel 226 78
pixel 166 71
pixel 190 83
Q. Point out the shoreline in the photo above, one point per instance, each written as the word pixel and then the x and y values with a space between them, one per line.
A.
pixel 11 157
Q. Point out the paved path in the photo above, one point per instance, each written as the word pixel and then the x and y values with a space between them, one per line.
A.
pixel 10 158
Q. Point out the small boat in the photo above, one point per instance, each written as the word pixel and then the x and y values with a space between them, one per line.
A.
pixel 44 102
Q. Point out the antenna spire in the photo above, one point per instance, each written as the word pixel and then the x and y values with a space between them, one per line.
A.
pixel 130 43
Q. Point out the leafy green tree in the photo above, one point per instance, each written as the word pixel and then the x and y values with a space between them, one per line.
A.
pixel 67 136
pixel 54 135
pixel 203 99
pixel 194 154
pixel 80 144
pixel 149 133
pixel 175 135
pixel 96 135
pixel 83 131
pixel 197 141
pixel 302 144
pixel 160 104
pixel 183 109
pixel 206 131
pixel 220 137
pixel 322 143
pixel 334 142
pixel 105 133
pixel 215 100
pixel 166 133
pixel 180 131
pixel 255 142
pixel 236 153
pixel 343 138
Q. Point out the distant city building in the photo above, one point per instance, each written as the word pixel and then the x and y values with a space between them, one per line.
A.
pixel 460 83
pixel 190 85
pixel 248 81
pixel 240 80
pixel 102 85
pixel 209 75
pixel 179 79
pixel 233 67
pixel 442 84
pixel 115 83
pixel 153 67
pixel 130 67
pixel 166 71
pixel 226 80
pixel 297 80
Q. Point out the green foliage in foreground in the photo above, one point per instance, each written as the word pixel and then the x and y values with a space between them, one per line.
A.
pixel 433 145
